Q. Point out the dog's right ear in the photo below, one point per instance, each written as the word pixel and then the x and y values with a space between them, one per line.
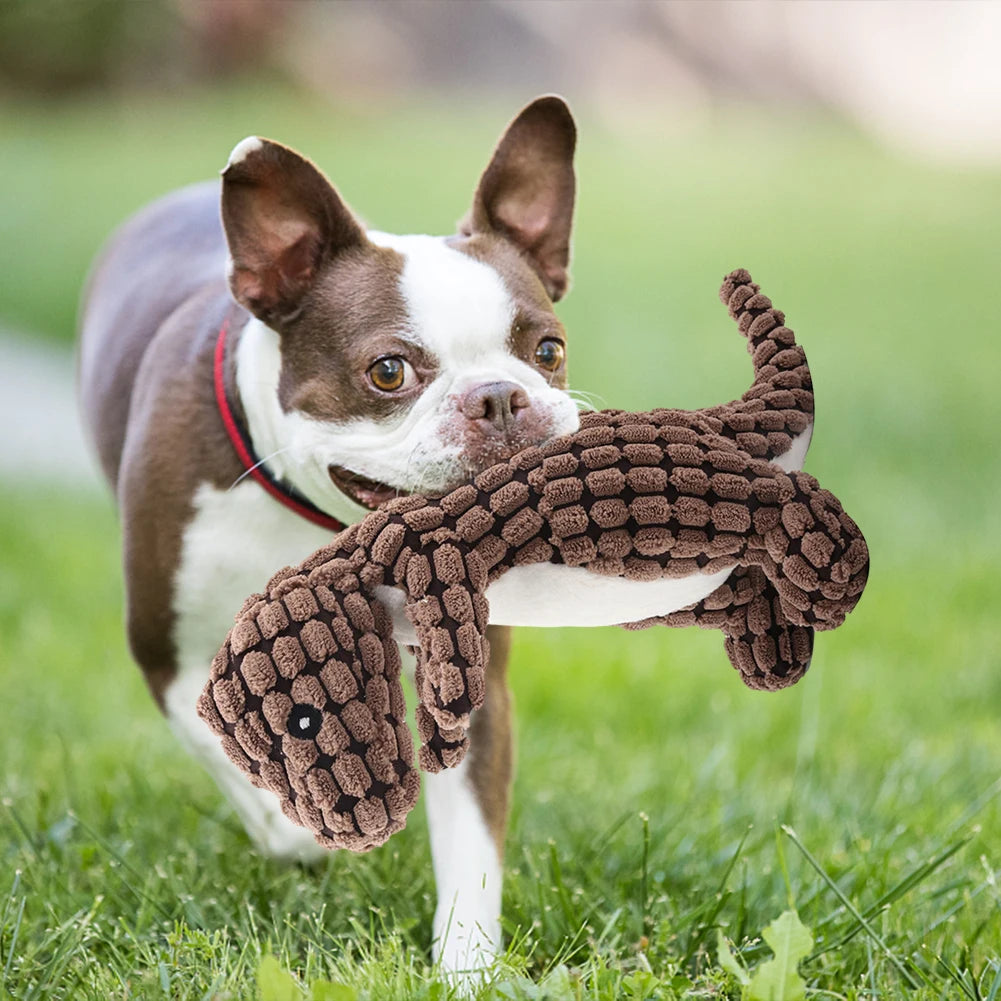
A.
pixel 283 221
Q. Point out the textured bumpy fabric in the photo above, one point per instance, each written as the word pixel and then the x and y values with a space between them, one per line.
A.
pixel 306 692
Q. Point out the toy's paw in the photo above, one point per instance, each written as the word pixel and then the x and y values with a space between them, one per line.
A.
pixel 441 747
pixel 450 691
pixel 442 730
pixel 768 650
pixel 306 697
pixel 775 659
pixel 450 620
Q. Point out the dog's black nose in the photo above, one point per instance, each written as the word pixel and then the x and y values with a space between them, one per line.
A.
pixel 495 404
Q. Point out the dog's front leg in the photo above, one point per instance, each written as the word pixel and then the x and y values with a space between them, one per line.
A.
pixel 467 810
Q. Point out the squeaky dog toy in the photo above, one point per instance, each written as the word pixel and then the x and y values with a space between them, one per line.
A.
pixel 668 517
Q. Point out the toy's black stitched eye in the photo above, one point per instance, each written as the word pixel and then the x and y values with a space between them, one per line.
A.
pixel 304 721
pixel 549 354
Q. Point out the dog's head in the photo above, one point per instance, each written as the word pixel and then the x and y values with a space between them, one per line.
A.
pixel 383 364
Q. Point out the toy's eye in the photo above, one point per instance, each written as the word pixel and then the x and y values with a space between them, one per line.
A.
pixel 304 721
pixel 389 373
pixel 550 354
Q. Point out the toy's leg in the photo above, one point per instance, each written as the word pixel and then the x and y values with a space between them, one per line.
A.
pixel 767 649
pixel 451 628
pixel 467 810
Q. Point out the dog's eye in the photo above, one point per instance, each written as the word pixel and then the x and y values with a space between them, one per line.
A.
pixel 550 354
pixel 388 374
pixel 304 720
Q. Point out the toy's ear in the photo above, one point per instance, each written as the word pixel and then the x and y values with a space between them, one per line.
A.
pixel 283 220
pixel 526 194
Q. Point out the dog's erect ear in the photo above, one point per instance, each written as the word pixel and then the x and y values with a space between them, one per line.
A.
pixel 283 220
pixel 526 194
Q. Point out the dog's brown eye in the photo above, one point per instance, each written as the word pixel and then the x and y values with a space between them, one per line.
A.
pixel 388 374
pixel 549 354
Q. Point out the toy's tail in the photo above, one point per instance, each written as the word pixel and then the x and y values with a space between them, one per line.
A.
pixel 778 408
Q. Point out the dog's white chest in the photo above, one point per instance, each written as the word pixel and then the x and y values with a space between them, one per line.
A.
pixel 236 540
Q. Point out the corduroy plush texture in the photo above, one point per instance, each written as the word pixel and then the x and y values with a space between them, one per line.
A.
pixel 306 691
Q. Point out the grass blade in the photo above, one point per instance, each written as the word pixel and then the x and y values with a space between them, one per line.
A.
pixel 870 931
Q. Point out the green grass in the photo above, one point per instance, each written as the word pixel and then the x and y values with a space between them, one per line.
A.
pixel 652 788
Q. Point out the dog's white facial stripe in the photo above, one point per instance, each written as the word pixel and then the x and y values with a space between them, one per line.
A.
pixel 459 308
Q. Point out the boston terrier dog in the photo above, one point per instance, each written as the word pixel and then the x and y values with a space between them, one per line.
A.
pixel 256 378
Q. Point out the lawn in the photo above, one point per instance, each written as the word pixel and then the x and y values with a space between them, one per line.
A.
pixel 656 801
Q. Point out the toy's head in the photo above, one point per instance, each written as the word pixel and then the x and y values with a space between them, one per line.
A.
pixel 307 700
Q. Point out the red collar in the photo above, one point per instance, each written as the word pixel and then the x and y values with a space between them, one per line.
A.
pixel 283 493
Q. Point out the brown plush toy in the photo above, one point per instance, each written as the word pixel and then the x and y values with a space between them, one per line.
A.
pixel 668 517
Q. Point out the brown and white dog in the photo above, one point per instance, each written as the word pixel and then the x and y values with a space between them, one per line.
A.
pixel 354 365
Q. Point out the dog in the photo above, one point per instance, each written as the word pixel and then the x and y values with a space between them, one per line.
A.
pixel 258 369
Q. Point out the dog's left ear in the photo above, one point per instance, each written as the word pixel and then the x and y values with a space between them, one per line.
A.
pixel 526 194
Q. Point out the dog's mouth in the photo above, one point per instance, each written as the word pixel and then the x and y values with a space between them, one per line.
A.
pixel 368 493
pixel 372 493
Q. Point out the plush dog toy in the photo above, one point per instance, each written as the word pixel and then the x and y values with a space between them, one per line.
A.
pixel 688 509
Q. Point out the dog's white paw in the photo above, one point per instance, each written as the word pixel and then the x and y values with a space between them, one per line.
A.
pixel 465 948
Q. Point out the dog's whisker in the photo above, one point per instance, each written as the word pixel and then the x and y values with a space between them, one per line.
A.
pixel 407 468
pixel 418 484
pixel 584 399
pixel 260 462
pixel 584 394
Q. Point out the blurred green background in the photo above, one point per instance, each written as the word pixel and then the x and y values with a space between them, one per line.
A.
pixel 650 784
